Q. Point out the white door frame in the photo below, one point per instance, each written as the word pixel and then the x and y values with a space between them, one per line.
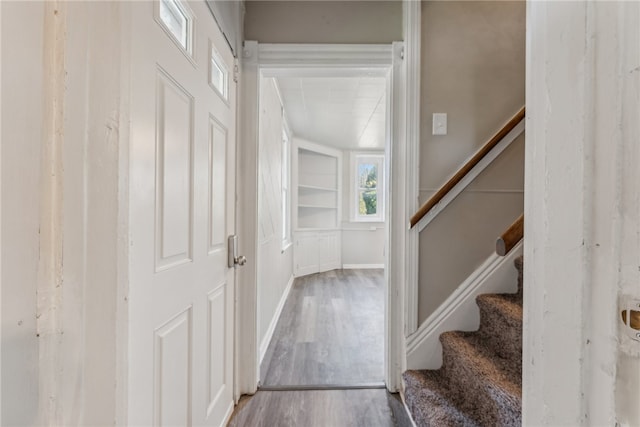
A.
pixel 319 60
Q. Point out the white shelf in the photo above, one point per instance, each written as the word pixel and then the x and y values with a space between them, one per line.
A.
pixel 317 198
pixel 317 194
pixel 317 207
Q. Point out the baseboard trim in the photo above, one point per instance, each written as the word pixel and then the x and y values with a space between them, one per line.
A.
pixel 264 345
pixel 361 266
pixel 229 413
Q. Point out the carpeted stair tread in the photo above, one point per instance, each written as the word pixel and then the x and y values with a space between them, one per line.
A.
pixel 501 325
pixel 431 402
pixel 480 381
pixel 474 370
pixel 470 349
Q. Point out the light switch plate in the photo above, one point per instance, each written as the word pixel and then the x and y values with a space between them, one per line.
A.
pixel 439 124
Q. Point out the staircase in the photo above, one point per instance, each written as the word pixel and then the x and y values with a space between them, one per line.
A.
pixel 480 381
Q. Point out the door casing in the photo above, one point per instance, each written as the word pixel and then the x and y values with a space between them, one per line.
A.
pixel 322 60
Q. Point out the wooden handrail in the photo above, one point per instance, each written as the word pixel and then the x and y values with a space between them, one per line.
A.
pixel 466 168
pixel 510 237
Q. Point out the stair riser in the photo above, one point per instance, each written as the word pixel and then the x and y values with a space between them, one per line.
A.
pixel 496 408
pixel 428 407
pixel 519 264
pixel 502 333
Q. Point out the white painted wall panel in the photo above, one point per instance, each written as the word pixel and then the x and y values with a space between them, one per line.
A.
pixel 275 265
pixel 80 75
pixel 22 133
pixel 581 213
pixel 306 256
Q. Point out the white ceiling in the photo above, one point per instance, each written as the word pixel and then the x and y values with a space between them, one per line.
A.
pixel 343 112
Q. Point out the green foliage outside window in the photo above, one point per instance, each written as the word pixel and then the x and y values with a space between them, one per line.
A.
pixel 368 199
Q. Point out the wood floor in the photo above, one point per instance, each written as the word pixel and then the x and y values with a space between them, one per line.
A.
pixel 326 408
pixel 331 331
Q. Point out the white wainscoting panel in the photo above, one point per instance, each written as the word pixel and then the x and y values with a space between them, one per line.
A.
pixel 329 249
pixel 174 172
pixel 305 254
pixel 172 371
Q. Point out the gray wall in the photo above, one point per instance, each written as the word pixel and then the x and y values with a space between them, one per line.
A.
pixel 323 21
pixel 464 234
pixel 473 69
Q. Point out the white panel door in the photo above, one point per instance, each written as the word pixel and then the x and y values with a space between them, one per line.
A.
pixel 182 195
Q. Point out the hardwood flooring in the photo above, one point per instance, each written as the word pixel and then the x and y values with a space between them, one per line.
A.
pixel 331 331
pixel 326 408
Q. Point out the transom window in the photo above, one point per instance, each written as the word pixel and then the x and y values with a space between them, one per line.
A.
pixel 368 187
pixel 219 74
pixel 177 20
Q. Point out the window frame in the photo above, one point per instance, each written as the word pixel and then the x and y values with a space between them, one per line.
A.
pixel 358 158
pixel 214 56
pixel 190 24
pixel 286 239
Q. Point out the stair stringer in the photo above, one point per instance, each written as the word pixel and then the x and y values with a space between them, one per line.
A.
pixel 459 312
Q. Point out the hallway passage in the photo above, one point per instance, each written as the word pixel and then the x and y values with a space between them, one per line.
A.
pixel 331 331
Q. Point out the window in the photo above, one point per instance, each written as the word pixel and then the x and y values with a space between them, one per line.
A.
pixel 286 194
pixel 218 74
pixel 368 187
pixel 177 20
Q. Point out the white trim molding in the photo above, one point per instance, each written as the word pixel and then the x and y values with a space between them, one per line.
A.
pixel 321 55
pixel 246 347
pixel 460 311
pixel 264 345
pixel 413 35
pixel 308 60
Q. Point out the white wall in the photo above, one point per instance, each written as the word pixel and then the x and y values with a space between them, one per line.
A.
pixel 362 242
pixel 582 213
pixel 275 266
pixel 60 142
pixel 22 134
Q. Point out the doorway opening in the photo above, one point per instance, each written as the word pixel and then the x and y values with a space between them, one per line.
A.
pixel 323 135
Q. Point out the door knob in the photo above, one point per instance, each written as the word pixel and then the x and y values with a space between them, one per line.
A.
pixel 233 257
